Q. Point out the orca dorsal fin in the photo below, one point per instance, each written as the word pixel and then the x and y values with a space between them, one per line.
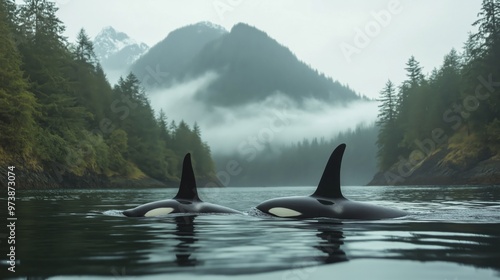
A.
pixel 329 185
pixel 187 187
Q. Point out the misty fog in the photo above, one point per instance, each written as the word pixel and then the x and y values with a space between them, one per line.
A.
pixel 275 120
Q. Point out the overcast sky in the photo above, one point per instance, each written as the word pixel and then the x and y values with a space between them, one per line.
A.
pixel 361 43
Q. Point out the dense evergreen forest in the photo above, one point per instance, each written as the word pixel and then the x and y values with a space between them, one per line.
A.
pixel 59 114
pixel 454 110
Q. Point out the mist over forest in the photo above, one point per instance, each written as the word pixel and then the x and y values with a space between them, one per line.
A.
pixel 277 140
pixel 275 120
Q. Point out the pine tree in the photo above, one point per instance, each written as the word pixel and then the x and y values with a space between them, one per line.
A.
pixel 488 26
pixel 387 108
pixel 201 152
pixel 413 104
pixel 488 42
pixel 414 73
pixel 409 86
pixel 183 139
pixel 389 133
pixel 85 49
pixel 443 91
pixel 163 124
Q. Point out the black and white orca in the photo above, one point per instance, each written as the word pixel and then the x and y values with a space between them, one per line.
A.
pixel 327 201
pixel 186 200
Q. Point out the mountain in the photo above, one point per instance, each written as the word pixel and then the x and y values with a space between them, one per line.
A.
pixel 250 66
pixel 166 60
pixel 116 50
pixel 253 66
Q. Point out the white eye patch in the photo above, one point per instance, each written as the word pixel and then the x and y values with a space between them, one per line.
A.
pixel 284 212
pixel 159 212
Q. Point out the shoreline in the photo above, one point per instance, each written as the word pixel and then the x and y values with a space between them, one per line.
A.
pixel 433 171
pixel 30 179
pixel 485 173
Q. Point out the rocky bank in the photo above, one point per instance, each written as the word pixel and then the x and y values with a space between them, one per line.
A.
pixel 445 166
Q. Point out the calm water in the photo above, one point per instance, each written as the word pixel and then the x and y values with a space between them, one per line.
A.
pixel 452 233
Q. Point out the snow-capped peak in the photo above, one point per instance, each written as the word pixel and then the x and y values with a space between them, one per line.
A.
pixel 110 41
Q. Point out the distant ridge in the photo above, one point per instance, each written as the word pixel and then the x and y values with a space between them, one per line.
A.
pixel 251 66
pixel 167 60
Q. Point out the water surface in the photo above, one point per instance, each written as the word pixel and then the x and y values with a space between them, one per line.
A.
pixel 451 233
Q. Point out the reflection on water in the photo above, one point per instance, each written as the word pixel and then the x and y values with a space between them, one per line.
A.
pixel 330 244
pixel 83 233
pixel 185 234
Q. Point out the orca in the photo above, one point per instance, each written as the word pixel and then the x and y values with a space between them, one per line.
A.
pixel 327 201
pixel 186 200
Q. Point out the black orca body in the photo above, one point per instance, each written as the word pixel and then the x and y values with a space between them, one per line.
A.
pixel 186 200
pixel 327 201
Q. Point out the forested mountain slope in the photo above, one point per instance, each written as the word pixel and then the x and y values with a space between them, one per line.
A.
pixel 444 128
pixel 62 121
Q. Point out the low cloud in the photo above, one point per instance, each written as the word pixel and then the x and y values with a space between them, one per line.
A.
pixel 274 120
